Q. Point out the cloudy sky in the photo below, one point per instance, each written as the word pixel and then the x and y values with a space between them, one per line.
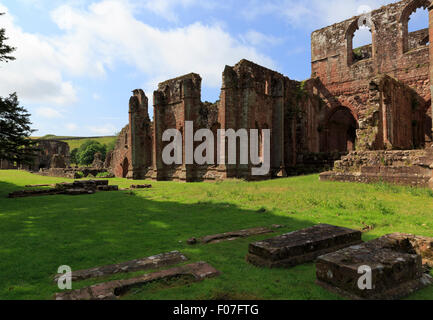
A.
pixel 78 60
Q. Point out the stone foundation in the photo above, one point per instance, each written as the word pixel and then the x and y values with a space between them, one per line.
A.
pixel 75 188
pixel 301 246
pixel 410 167
pixel 397 269
pixel 115 289
pixel 153 262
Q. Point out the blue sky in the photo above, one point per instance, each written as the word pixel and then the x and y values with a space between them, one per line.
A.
pixel 78 61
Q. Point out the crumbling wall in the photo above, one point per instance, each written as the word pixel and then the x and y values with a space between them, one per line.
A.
pixel 405 167
pixel 176 101
pixel 49 150
pixel 253 97
pixel 345 79
pixel 392 120
pixel 118 161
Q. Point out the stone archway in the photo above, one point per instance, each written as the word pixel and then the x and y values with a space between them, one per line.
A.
pixel 125 168
pixel 340 131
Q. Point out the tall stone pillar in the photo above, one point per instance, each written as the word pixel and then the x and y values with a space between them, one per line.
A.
pixel 158 129
pixel 140 135
pixel 430 10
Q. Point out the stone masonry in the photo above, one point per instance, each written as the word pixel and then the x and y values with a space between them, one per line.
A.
pixel 372 98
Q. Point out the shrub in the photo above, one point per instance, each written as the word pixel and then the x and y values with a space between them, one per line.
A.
pixel 79 175
pixel 87 151
pixel 104 175
pixel 74 156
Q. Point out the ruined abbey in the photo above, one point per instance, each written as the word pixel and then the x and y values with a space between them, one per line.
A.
pixel 369 108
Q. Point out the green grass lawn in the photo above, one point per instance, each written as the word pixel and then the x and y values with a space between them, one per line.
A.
pixel 37 235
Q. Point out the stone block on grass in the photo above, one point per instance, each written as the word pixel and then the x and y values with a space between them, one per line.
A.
pixel 301 246
pixel 395 273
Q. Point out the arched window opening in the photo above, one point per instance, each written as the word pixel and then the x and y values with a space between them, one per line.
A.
pixel 362 44
pixel 415 23
pixel 418 34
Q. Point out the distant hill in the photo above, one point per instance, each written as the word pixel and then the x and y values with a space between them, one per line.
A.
pixel 76 142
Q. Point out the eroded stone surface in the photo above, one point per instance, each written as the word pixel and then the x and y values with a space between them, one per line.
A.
pixel 395 272
pixel 141 186
pixel 228 236
pixel 301 246
pixel 75 188
pixel 115 289
pixel 412 244
pixel 153 262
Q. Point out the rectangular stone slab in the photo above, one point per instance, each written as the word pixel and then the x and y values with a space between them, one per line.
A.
pixel 153 262
pixel 301 246
pixel 395 274
pixel 115 289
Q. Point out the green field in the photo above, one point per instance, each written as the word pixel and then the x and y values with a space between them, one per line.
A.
pixel 37 235
pixel 76 143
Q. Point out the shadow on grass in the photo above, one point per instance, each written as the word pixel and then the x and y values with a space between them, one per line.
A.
pixel 39 234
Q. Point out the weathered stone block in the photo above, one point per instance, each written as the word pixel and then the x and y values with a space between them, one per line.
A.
pixel 301 246
pixel 115 289
pixel 153 262
pixel 411 244
pixel 395 274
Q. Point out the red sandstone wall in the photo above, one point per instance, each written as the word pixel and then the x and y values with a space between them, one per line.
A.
pixel 121 156
pixel 345 82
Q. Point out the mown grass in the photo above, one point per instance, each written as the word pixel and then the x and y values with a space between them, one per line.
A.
pixel 37 235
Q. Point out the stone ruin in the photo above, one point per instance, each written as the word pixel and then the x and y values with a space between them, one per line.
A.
pixel 399 263
pixel 252 97
pixel 358 102
pixel 49 154
pixel 78 187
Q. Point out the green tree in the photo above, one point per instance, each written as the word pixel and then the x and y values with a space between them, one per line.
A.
pixel 87 151
pixel 5 50
pixel 74 156
pixel 15 130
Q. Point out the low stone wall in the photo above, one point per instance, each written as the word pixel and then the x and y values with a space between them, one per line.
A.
pixel 314 162
pixel 407 167
pixel 71 173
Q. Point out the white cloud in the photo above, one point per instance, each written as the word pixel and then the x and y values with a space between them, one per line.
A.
pixel 49 113
pixel 109 33
pixel 314 13
pixel 35 75
pixel 96 38
pixel 96 97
